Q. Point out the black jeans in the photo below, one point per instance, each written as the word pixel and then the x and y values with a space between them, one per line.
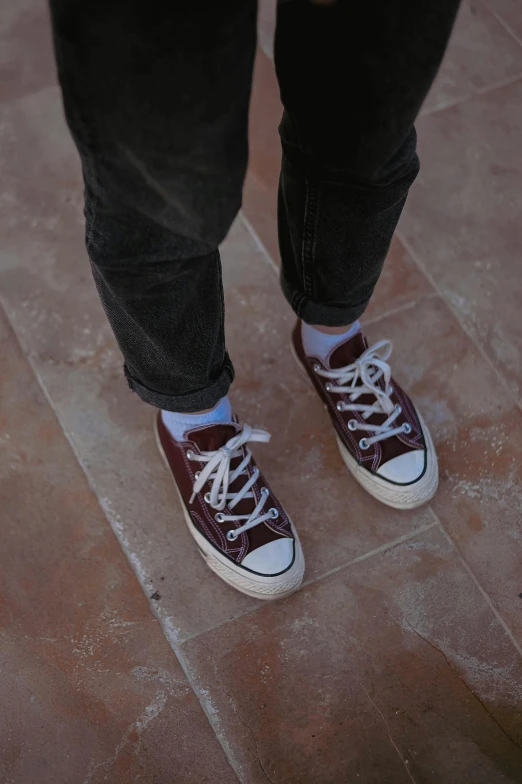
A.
pixel 156 96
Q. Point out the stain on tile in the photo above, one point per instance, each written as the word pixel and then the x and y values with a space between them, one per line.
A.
pixel 26 56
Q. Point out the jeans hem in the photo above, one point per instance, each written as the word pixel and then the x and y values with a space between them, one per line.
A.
pixel 189 403
pixel 321 315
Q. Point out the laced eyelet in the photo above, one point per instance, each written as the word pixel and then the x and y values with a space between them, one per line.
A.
pixel 328 387
pixel 197 474
pixel 317 368
pixel 406 428
pixel 207 498
pixel 265 491
pixel 190 455
pixel 274 513
pixel 231 536
pixel 219 518
pixel 398 409
pixel 352 425
pixel 390 392
pixel 363 444
pixel 340 406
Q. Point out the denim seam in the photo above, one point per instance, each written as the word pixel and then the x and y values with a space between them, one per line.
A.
pixel 308 243
pixel 222 302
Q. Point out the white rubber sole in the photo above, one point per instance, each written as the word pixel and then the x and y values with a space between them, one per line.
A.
pixel 254 585
pixel 397 496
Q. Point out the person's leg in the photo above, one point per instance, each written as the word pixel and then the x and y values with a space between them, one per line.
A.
pixel 156 95
pixel 353 77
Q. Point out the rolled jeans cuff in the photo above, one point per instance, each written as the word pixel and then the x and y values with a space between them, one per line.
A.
pixel 318 314
pixel 191 402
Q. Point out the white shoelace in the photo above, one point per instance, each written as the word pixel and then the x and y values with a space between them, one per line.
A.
pixel 217 471
pixel 361 378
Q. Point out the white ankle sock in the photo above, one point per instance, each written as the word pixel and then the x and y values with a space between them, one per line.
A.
pixel 318 344
pixel 178 424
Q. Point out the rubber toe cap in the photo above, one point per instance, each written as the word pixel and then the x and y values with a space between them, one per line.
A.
pixel 404 469
pixel 271 558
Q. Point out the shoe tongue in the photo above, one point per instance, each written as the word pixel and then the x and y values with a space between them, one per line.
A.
pixel 212 437
pixel 346 353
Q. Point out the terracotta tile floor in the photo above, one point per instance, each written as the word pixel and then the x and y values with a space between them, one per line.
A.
pixel 122 659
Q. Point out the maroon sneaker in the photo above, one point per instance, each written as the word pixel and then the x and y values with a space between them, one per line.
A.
pixel 381 436
pixel 240 527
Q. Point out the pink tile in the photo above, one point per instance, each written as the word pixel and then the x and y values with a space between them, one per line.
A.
pixel 265 115
pixel 463 219
pixel 90 689
pixel 260 209
pixel 394 670
pixel 477 430
pixel 26 56
pixel 481 53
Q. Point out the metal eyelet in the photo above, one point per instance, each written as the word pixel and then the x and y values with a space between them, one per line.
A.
pixel 406 428
pixel 317 368
pixel 197 474
pixel 265 491
pixel 219 518
pixel 340 406
pixel 328 387
pixel 390 392
pixel 274 513
pixel 231 536
pixel 363 444
pixel 398 409
pixel 207 498
pixel 190 455
pixel 352 425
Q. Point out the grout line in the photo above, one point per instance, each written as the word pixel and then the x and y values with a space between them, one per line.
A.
pixel 259 242
pixel 381 549
pixel 474 579
pixel 468 332
pixel 359 559
pixel 502 21
pixel 478 92
pixel 204 700
pixel 400 308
